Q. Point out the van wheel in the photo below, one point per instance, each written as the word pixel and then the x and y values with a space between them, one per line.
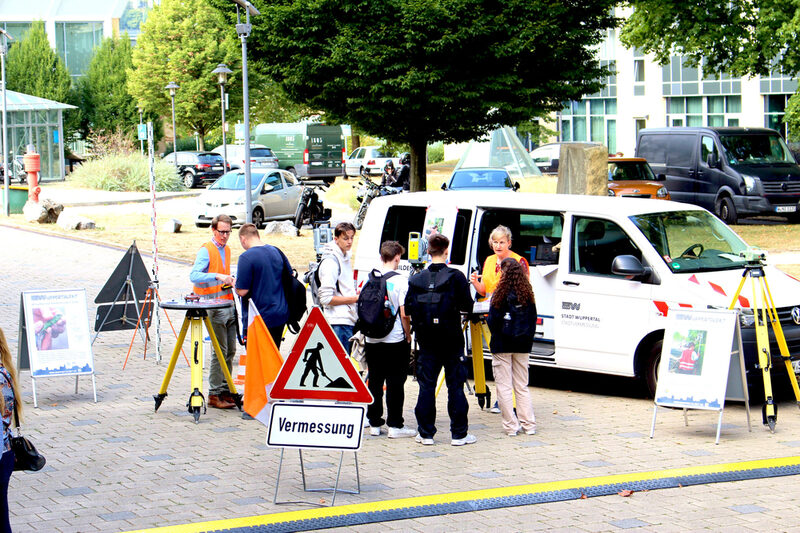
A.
pixel 651 367
pixel 726 211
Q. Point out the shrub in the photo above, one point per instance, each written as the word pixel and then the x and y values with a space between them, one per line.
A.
pixel 436 153
pixel 126 172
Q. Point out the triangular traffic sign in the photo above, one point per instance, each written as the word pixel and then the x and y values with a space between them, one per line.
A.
pixel 317 367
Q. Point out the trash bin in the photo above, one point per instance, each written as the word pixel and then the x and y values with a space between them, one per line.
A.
pixel 17 196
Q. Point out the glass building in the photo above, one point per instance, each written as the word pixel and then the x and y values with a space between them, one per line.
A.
pixel 36 121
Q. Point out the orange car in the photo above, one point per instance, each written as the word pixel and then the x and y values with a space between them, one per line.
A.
pixel 632 177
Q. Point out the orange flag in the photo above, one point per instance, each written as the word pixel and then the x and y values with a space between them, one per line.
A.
pixel 263 364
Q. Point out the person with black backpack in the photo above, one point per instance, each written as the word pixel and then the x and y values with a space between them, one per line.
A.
pixel 436 298
pixel 512 323
pixel 387 332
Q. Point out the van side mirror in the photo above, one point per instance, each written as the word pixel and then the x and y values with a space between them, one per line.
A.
pixel 712 160
pixel 444 186
pixel 661 177
pixel 628 265
pixel 516 186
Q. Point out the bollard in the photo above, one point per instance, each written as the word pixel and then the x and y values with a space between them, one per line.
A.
pixel 33 165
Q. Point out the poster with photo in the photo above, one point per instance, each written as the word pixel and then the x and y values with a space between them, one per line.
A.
pixel 57 329
pixel 695 359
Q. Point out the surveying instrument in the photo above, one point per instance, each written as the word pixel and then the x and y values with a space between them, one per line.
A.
pixel 197 315
pixel 764 312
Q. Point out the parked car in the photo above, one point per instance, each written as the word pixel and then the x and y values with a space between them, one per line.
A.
pixel 490 179
pixel 276 194
pixel 632 177
pixel 546 156
pixel 197 167
pixel 260 156
pixel 371 158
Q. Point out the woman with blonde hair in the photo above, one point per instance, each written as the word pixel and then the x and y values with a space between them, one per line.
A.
pixel 500 241
pixel 8 402
pixel 512 322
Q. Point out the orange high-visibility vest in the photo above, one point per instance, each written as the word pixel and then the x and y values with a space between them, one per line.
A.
pixel 491 274
pixel 213 289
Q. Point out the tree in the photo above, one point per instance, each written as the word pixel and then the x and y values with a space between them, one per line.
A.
pixel 183 41
pixel 34 68
pixel 105 100
pixel 417 71
pixel 739 37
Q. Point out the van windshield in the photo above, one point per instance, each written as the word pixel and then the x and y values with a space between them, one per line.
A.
pixel 752 149
pixel 692 241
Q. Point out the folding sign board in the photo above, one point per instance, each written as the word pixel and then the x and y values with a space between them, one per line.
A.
pixel 318 369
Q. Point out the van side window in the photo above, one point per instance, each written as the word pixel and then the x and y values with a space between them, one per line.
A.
pixel 680 150
pixel 653 148
pixel 596 243
pixel 707 148
pixel 400 220
pixel 534 233
pixel 458 245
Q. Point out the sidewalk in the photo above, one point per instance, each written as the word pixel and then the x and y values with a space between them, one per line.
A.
pixel 117 465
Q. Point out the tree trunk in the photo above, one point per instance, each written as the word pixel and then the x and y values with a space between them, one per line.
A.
pixel 201 141
pixel 419 165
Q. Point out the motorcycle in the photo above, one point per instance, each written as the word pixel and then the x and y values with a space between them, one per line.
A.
pixel 310 208
pixel 369 190
pixel 17 170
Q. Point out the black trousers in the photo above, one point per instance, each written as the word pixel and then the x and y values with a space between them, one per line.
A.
pixel 430 362
pixel 387 363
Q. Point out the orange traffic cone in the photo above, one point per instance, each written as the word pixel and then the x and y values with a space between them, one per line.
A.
pixel 239 379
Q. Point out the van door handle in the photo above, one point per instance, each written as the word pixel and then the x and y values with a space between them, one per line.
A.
pixel 571 283
pixel 691 173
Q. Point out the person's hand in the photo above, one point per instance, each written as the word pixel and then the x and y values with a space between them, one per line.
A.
pixel 474 278
pixel 227 280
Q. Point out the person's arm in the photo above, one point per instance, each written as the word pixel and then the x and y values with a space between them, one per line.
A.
pixel 478 283
pixel 199 273
pixel 243 275
pixel 463 296
pixel 328 276
pixel 405 320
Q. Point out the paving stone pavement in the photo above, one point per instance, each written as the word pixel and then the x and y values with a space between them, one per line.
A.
pixel 116 465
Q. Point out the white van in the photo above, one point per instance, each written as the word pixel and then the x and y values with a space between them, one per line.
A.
pixel 592 316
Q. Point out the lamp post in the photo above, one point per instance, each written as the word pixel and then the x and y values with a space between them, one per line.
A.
pixel 6 178
pixel 141 141
pixel 172 87
pixel 222 72
pixel 243 31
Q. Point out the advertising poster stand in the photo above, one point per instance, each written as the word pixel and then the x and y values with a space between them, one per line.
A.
pixel 54 339
pixel 702 364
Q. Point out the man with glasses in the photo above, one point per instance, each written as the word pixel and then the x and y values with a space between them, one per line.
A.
pixel 211 277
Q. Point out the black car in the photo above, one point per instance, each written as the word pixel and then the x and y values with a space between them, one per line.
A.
pixel 198 167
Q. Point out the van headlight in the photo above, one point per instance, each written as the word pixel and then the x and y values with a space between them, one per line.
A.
pixel 749 184
pixel 661 192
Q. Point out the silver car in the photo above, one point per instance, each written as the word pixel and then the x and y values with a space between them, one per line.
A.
pixel 260 156
pixel 276 194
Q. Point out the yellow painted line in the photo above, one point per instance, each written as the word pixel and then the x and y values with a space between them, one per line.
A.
pixel 480 494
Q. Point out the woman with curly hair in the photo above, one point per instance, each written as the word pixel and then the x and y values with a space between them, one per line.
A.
pixel 512 323
pixel 9 392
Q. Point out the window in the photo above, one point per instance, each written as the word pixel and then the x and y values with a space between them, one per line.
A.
pixel 638 77
pixel 17 30
pixel 458 246
pixel 774 110
pixel 593 119
pixel 597 242
pixel 706 148
pixel 713 111
pixel 75 43
pixel 533 234
pixel 400 221
pixel 274 179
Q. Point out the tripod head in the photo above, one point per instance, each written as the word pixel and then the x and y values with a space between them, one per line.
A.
pixel 754 257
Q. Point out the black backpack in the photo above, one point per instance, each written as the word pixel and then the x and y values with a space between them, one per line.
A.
pixel 518 320
pixel 295 293
pixel 375 318
pixel 431 302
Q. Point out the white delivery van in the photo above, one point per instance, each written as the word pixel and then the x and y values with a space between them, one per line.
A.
pixel 593 316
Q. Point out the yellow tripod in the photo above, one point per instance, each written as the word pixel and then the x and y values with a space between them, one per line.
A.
pixel 478 330
pixel 764 313
pixel 196 316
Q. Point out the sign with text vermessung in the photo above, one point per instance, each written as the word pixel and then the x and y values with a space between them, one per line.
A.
pixel 323 426
pixel 56 329
pixel 318 368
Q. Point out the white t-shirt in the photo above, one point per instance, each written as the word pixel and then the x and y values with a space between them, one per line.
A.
pixel 396 289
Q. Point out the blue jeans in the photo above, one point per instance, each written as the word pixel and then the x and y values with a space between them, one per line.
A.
pixel 343 333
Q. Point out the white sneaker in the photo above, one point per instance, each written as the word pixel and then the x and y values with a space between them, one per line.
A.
pixel 422 440
pixel 399 433
pixel 375 431
pixel 495 408
pixel 515 432
pixel 530 432
pixel 468 439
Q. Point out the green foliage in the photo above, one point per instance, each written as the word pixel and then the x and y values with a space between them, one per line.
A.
pixel 436 152
pixel 425 70
pixel 183 41
pixel 792 118
pixel 740 37
pixel 34 68
pixel 105 100
pixel 539 134
pixel 128 172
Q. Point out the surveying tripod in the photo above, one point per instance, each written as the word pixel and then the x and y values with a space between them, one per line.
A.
pixel 764 313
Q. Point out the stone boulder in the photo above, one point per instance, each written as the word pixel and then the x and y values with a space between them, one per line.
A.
pixel 172 225
pixel 72 221
pixel 285 227
pixel 44 212
pixel 583 169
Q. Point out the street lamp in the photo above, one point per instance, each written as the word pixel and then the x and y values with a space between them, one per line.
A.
pixel 222 72
pixel 243 31
pixel 3 52
pixel 172 87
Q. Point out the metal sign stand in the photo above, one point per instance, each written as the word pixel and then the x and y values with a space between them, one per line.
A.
pixel 306 488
